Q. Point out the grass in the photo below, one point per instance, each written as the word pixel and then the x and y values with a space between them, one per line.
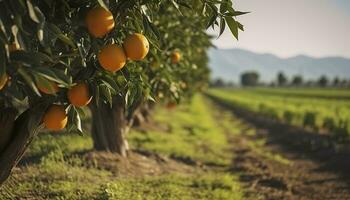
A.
pixel 193 133
pixel 46 143
pixel 211 186
pixel 60 173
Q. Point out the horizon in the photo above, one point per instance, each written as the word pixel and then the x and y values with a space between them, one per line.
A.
pixel 229 64
pixel 281 57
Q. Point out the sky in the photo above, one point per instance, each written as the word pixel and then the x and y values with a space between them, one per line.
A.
pixel 286 28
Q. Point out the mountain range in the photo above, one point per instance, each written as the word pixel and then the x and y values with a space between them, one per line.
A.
pixel 228 64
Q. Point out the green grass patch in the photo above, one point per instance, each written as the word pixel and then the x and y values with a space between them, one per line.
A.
pixel 68 143
pixel 211 186
pixel 62 174
pixel 193 133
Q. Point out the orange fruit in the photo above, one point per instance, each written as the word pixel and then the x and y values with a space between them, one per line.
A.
pixel 79 95
pixel 112 58
pixel 3 81
pixel 136 46
pixel 171 105
pixel 99 22
pixel 54 88
pixel 175 57
pixel 55 118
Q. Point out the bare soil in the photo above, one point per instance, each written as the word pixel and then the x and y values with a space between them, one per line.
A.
pixel 137 164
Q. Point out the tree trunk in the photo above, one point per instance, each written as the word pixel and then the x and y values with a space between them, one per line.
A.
pixel 16 135
pixel 109 126
pixel 142 114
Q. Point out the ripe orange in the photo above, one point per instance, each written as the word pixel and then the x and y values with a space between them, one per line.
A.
pixel 54 88
pixel 136 46
pixel 79 95
pixel 3 81
pixel 55 118
pixel 175 57
pixel 112 58
pixel 99 22
pixel 171 105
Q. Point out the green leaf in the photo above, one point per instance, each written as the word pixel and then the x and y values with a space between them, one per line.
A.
pixel 222 26
pixel 66 40
pixel 102 4
pixel 240 26
pixel 32 13
pixel 34 58
pixel 232 24
pixel 28 79
pixel 176 5
pixel 43 83
pixel 212 20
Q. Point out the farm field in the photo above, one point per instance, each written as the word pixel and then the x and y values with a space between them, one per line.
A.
pixel 330 93
pixel 199 149
pixel 320 110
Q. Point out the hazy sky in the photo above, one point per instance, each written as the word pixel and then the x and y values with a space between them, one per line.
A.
pixel 291 27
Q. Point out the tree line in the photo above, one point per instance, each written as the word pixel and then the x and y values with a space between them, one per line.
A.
pixel 252 78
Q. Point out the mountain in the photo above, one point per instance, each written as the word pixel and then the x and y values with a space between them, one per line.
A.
pixel 228 64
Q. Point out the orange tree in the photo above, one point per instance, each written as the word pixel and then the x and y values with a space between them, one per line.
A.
pixel 113 56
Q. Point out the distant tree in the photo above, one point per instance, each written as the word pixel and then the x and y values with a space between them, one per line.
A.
pixel 297 80
pixel 249 78
pixel 230 84
pixel 343 83
pixel 218 83
pixel 322 81
pixel 281 79
pixel 336 82
pixel 310 83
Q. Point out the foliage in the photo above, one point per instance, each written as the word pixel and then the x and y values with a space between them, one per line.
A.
pixel 45 42
pixel 297 80
pixel 249 79
pixel 323 81
pixel 281 79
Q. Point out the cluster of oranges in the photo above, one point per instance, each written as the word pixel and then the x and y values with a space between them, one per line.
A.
pixel 112 58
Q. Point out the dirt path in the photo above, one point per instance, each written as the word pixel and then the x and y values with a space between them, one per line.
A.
pixel 290 163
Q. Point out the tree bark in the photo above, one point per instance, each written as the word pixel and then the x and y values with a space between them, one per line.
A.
pixel 17 135
pixel 142 114
pixel 109 127
pixel 7 120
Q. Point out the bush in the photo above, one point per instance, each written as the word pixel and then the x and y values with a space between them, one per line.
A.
pixel 288 116
pixel 341 132
pixel 329 123
pixel 310 120
pixel 268 111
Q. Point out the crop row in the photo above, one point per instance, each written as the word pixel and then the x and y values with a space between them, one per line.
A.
pixel 331 115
